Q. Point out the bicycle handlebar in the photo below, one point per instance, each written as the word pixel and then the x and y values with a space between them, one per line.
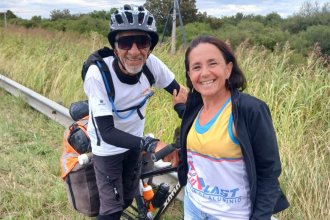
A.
pixel 163 152
pixel 86 157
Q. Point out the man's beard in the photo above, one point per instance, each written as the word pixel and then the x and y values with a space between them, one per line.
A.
pixel 133 69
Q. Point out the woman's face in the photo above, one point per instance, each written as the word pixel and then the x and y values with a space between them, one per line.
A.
pixel 208 70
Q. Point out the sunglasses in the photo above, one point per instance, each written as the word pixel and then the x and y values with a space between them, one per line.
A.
pixel 141 41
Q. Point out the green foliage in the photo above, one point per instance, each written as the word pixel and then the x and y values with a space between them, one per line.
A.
pixel 58 14
pixel 104 15
pixel 320 35
pixel 309 15
pixel 36 18
pixel 9 15
pixel 256 33
pixel 188 11
pixel 315 35
pixel 271 37
pixel 194 29
pixel 273 19
pixel 251 27
pixel 234 20
pixel 85 22
pixel 231 34
pixel 214 22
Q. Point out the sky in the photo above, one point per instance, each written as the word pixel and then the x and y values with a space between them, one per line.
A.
pixel 218 8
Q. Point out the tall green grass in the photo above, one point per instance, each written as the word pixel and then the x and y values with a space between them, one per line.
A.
pixel 30 183
pixel 298 96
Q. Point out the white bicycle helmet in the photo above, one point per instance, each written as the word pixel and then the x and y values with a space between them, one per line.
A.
pixel 133 18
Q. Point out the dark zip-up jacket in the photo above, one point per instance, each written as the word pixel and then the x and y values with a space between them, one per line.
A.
pixel 256 134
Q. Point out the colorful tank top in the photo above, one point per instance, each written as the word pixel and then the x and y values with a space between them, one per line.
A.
pixel 217 178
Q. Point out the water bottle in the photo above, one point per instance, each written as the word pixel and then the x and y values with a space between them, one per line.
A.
pixel 148 195
pixel 161 195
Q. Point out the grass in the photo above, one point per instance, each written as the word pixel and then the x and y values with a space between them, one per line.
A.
pixel 50 63
pixel 30 183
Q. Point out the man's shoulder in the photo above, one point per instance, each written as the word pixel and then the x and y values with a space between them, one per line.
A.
pixel 156 65
pixel 93 72
pixel 153 59
pixel 109 60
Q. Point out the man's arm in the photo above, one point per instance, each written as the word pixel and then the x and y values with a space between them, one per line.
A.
pixel 173 85
pixel 116 137
pixel 179 93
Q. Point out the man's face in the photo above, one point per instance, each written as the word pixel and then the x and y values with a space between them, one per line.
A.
pixel 132 49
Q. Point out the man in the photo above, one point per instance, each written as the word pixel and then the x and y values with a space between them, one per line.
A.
pixel 116 127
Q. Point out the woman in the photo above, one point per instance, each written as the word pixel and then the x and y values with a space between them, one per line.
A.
pixel 229 160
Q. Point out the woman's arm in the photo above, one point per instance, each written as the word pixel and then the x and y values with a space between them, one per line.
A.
pixel 267 161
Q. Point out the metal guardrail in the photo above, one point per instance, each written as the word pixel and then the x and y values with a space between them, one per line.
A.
pixel 47 107
pixel 61 115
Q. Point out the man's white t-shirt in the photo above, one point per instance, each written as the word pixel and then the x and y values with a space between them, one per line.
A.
pixel 126 96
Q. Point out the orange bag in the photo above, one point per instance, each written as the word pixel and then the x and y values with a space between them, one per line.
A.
pixel 80 180
pixel 75 142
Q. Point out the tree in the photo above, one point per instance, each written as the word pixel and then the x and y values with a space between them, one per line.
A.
pixel 317 34
pixel 201 17
pixel 58 14
pixel 188 11
pixel 309 15
pixel 239 16
pixel 9 15
pixel 162 8
pixel 309 9
pixel 273 19
pixel 105 15
pixel 36 18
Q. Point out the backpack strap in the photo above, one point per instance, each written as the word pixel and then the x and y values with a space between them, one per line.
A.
pixel 96 58
pixel 107 79
pixel 96 131
pixel 148 74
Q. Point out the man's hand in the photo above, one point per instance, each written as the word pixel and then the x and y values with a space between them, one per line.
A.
pixel 148 144
pixel 180 97
pixel 172 157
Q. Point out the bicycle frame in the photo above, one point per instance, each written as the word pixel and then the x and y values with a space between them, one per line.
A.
pixel 141 209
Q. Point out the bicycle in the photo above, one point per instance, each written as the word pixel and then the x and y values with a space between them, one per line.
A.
pixel 141 209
